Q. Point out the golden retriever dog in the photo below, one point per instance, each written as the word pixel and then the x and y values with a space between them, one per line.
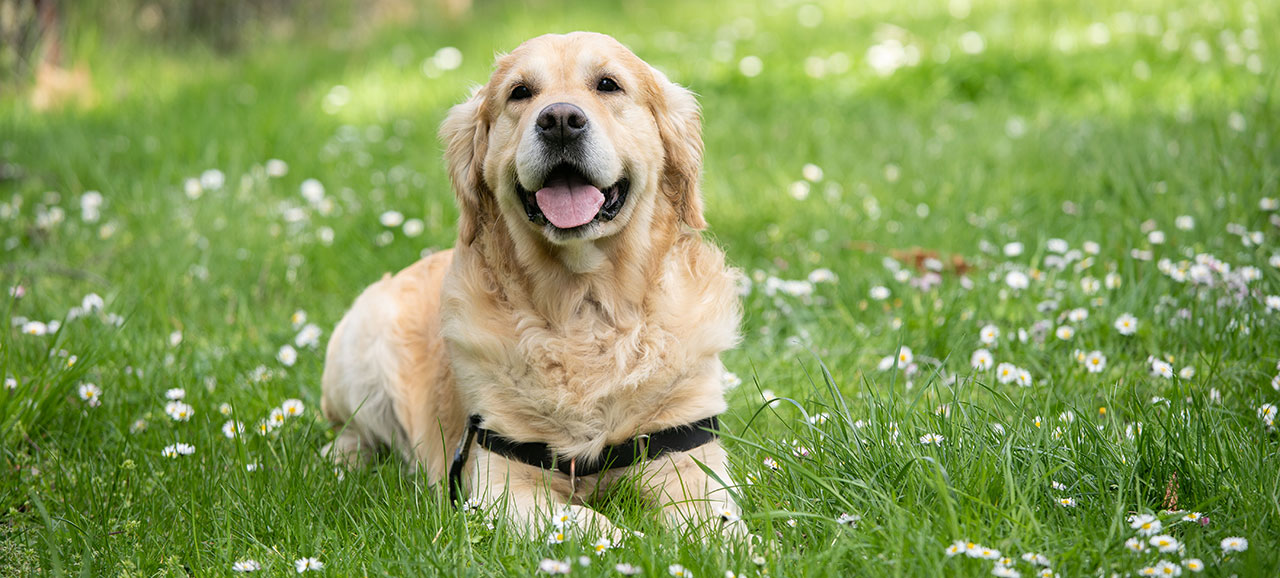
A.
pixel 580 307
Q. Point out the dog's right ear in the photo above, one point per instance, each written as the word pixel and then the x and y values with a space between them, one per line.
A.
pixel 465 132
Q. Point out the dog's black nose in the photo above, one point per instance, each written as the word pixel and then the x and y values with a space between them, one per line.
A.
pixel 561 123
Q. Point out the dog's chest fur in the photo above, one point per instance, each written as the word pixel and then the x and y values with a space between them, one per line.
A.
pixel 599 372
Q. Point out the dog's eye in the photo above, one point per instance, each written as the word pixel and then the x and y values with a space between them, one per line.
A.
pixel 520 92
pixel 607 84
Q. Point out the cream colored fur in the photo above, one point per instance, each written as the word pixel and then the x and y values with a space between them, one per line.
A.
pixel 579 343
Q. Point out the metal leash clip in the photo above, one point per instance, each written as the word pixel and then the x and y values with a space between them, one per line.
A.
pixel 573 478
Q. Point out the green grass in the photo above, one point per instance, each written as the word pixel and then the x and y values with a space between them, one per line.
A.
pixel 1025 141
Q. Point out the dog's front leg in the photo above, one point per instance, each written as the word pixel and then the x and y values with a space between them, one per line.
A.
pixel 536 503
pixel 690 498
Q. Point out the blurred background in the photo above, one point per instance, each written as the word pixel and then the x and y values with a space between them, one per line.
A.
pixel 290 147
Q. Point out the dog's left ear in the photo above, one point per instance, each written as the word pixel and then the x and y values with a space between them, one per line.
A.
pixel 680 125
pixel 465 133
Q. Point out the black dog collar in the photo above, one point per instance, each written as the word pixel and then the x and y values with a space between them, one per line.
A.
pixel 643 447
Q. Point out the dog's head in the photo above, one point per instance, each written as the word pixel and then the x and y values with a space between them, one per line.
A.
pixel 574 139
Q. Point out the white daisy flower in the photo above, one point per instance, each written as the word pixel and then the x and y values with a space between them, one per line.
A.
pixel 276 417
pixel 292 407
pixel 1089 285
pixel 1193 564
pixel 276 168
pixel 175 394
pixel 1187 372
pixel 308 565
pixel 1065 332
pixel 1185 223
pixel 989 334
pixel 1007 373
pixel 35 328
pixel 627 569
pixel 981 360
pixel 1067 502
pixel 957 547
pixel 92 302
pixel 1095 362
pixel 287 355
pixel 224 409
pixel 1003 571
pixel 1135 545
pixel 1167 568
pixel 1017 280
pixel 905 356
pixel 178 449
pixel 564 518
pixel 1013 249
pixel 89 392
pixel 212 180
pixel 232 428
pixel 1127 324
pixel 679 571
pixel 822 275
pixel 848 519
pixel 556 537
pixel 1077 315
pixel 1161 369
pixel 602 545
pixel 1234 544
pixel 308 336
pixel 246 566
pixel 1145 524
pixel 984 553
pixel 1024 378
pixel 391 219
pixel 879 293
pixel 1164 543
pixel 179 411
pixel 1267 412
pixel 931 439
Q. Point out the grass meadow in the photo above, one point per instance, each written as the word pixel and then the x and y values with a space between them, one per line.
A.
pixel 1014 282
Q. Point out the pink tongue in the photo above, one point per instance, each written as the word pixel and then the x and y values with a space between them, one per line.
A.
pixel 569 201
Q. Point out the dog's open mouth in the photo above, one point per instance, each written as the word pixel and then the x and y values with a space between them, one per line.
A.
pixel 568 200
